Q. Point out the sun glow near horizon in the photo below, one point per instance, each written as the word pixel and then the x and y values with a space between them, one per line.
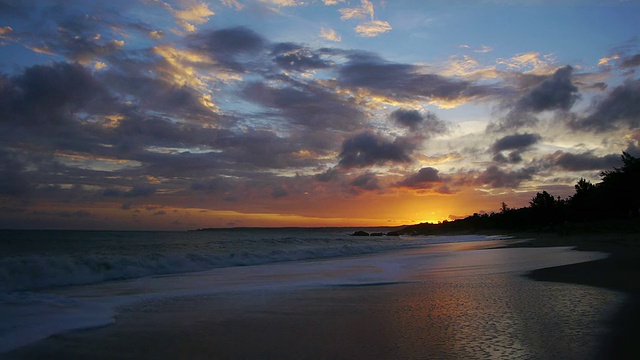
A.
pixel 180 115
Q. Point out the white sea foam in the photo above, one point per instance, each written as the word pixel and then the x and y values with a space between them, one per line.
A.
pixel 29 317
pixel 68 286
pixel 35 271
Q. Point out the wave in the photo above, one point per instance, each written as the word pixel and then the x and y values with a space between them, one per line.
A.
pixel 34 272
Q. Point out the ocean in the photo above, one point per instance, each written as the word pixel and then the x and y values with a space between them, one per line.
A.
pixel 52 282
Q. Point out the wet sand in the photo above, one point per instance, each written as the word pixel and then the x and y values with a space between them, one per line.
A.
pixel 620 271
pixel 435 320
pixel 477 311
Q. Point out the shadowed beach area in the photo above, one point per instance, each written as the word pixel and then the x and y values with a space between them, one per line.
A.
pixel 620 271
pixel 468 301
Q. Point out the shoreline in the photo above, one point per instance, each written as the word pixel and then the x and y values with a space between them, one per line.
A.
pixel 353 321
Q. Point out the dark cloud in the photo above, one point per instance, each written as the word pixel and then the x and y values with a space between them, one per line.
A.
pixel 279 192
pixel 13 8
pixel 555 93
pixel 156 94
pixel 584 161
pixel 81 214
pixel 308 105
pixel 13 180
pixel 70 30
pixel 367 181
pixel 215 185
pixel 598 86
pixel 630 62
pixel 498 178
pixel 409 118
pixel 403 81
pixel 228 46
pixel 298 58
pixel 621 107
pixel 425 178
pixel 329 175
pixel 82 48
pixel 263 149
pixel 367 149
pixel 428 122
pixel 515 142
pixel 136 191
pixel 51 94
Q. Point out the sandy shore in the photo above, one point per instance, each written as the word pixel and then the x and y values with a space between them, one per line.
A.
pixel 482 312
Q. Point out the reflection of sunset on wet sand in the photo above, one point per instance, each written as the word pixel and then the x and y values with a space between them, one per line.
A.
pixel 437 302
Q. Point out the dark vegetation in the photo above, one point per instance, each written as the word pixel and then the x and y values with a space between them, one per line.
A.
pixel 610 205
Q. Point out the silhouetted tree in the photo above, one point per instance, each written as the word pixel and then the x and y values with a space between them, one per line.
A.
pixel 616 196
pixel 542 201
pixel 620 188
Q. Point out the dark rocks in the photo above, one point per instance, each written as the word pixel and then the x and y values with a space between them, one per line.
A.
pixel 364 233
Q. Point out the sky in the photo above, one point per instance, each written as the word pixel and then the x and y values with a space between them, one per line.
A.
pixel 185 114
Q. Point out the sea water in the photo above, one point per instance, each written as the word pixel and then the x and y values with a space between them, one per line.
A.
pixel 56 281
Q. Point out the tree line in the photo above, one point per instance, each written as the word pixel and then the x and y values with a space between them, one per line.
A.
pixel 614 202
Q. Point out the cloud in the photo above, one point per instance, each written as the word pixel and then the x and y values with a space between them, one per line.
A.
pixel 71 34
pixel 136 191
pixel 51 94
pixel 367 149
pixel 484 49
pixel 284 3
pixel 622 61
pixel 215 185
pixel 5 32
pixel 80 214
pixel 498 178
pixel 194 12
pixel 279 192
pixel 364 11
pixel 515 142
pixel 621 107
pixel 330 35
pixel 425 178
pixel 232 4
pixel 403 81
pixel 311 106
pixel 630 62
pixel 584 161
pixel 13 180
pixel 518 143
pixel 428 122
pixel 329 175
pixel 156 34
pixel 606 61
pixel 367 181
pixel 295 57
pixel 371 28
pixel 228 45
pixel 555 93
pixel 531 62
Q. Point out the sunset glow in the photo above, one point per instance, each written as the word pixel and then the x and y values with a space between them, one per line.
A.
pixel 183 114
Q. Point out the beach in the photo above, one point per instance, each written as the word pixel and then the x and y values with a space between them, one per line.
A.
pixel 444 301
